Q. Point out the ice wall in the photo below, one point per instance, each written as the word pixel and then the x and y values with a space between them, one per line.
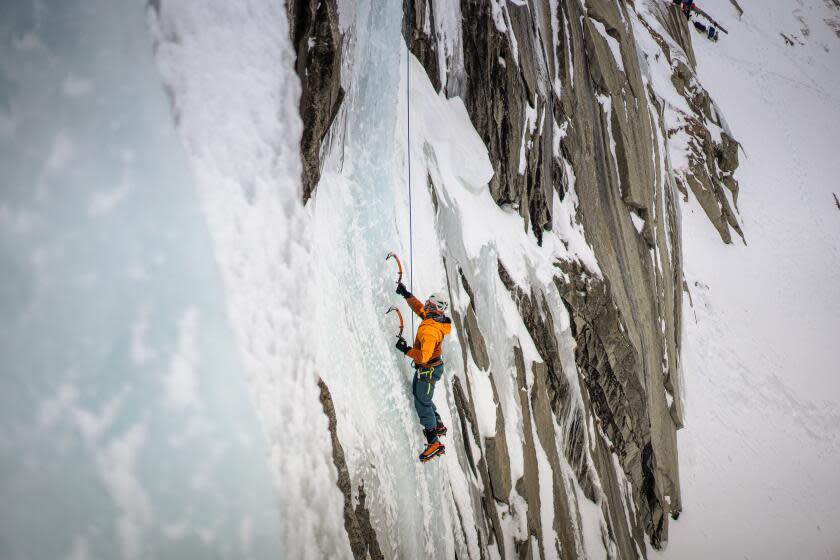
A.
pixel 126 429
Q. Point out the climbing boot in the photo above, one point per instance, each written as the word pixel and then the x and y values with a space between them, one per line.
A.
pixel 440 430
pixel 432 450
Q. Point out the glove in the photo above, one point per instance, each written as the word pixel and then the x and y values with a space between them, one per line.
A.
pixel 402 290
pixel 402 345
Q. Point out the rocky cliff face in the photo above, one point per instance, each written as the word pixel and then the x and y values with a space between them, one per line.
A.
pixel 593 105
pixel 313 29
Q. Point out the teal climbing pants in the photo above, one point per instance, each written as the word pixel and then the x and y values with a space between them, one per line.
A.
pixel 423 388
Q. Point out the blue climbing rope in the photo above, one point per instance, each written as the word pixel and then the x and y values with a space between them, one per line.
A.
pixel 408 144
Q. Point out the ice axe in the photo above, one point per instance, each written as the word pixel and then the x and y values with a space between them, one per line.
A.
pixel 399 315
pixel 399 267
pixel 399 279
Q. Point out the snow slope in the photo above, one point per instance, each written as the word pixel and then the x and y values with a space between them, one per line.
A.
pixel 760 454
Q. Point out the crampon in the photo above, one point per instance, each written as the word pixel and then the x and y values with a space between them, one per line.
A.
pixel 432 450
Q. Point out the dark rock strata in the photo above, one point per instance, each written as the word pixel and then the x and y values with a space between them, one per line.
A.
pixel 357 523
pixel 508 106
pixel 538 78
pixel 607 362
pixel 313 27
pixel 419 33
pixel 711 163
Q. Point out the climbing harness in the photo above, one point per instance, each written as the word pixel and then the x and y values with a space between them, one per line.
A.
pixel 428 372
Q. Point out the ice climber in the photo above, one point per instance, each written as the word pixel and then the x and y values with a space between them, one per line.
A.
pixel 428 365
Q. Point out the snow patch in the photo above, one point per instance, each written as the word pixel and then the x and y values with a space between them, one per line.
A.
pixel 141 353
pixel 485 403
pixel 62 152
pixel 104 202
pixel 80 550
pixel 638 222
pixel 612 43
pixel 117 465
pixel 74 86
pixel 182 381
pixel 61 403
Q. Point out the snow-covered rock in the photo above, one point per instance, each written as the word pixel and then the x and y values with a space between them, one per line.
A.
pixel 551 123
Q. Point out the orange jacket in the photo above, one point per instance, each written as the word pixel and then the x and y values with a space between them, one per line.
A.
pixel 429 340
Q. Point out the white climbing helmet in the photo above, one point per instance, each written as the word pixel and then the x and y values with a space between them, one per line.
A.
pixel 439 301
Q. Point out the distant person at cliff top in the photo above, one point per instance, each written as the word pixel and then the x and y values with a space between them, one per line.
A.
pixel 710 31
pixel 428 365
pixel 686 6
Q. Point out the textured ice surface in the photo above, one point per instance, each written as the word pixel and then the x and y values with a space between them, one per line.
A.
pixel 126 430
